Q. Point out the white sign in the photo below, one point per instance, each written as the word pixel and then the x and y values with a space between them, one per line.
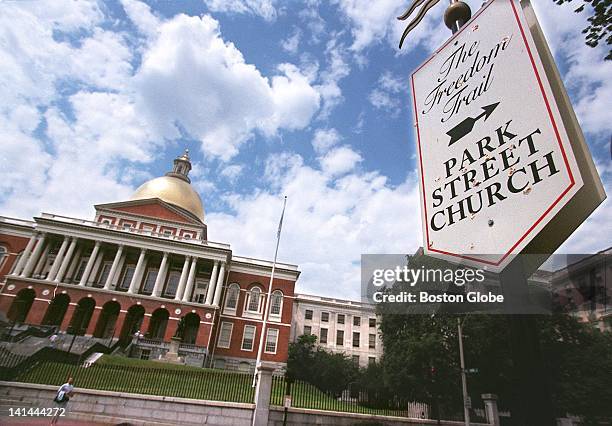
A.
pixel 495 159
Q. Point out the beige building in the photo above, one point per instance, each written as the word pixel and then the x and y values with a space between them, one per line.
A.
pixel 343 326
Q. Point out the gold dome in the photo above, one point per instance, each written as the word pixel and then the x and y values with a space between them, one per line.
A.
pixel 174 188
pixel 173 191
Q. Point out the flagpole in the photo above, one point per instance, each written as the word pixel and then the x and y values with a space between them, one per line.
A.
pixel 267 305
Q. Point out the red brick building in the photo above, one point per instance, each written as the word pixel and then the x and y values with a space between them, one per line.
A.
pixel 146 265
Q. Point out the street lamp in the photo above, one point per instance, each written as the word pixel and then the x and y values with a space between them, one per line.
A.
pixel 466 408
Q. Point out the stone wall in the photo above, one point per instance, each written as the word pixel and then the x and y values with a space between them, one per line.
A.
pixel 116 407
pixel 304 417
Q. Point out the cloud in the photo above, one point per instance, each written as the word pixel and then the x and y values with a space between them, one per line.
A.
pixel 325 139
pixel 386 95
pixel 292 43
pixel 330 221
pixel 339 161
pixel 191 80
pixel 337 68
pixel 262 8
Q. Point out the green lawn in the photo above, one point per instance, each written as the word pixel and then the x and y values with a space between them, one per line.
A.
pixel 121 374
pixel 147 377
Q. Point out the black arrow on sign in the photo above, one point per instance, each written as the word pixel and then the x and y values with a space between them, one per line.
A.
pixel 466 126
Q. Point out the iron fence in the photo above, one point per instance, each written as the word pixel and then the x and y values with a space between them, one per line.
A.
pixel 205 384
pixel 352 400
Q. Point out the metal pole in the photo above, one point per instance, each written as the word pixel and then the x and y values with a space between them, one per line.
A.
pixel 466 408
pixel 267 305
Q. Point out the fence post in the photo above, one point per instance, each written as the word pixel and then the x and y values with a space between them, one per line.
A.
pixel 263 393
pixel 490 402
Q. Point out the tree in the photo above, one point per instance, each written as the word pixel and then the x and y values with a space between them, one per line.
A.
pixel 600 22
pixel 330 372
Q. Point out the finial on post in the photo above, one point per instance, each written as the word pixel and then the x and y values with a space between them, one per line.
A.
pixel 456 15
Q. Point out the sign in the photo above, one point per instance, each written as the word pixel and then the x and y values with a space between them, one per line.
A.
pixel 503 164
pixel 287 401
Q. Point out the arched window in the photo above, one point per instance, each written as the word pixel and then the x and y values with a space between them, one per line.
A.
pixel 231 300
pixel 276 303
pixel 253 300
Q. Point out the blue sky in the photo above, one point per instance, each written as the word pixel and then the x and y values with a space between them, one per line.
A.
pixel 304 98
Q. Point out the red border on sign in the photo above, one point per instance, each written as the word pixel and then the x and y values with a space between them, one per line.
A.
pixel 555 128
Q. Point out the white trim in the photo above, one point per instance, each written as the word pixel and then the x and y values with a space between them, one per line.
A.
pixel 253 320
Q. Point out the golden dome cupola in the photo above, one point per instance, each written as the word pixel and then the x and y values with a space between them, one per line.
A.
pixel 174 188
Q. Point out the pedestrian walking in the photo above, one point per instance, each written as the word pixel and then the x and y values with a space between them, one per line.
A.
pixel 63 395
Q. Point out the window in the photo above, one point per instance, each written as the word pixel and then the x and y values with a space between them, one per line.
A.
pixel 355 359
pixel 147 228
pixel 356 337
pixel 231 301
pixel 173 280
pixel 372 322
pixel 307 329
pixel 225 335
pixel 167 232
pixel 149 283
pixel 128 274
pixel 248 338
pixel 276 303
pixel 271 340
pixel 357 321
pixel 372 341
pixel 106 221
pixel 308 314
pixel 324 316
pixel 340 318
pixel 339 338
pixel 104 273
pixel 371 360
pixel 254 300
pixel 3 255
pixel 323 338
pixel 145 354
pixel 127 226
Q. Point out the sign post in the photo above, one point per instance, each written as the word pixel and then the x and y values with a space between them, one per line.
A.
pixel 503 164
pixel 504 168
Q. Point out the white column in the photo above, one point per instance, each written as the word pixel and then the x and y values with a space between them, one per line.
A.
pixel 58 259
pixel 113 271
pixel 138 272
pixel 161 276
pixel 43 260
pixel 66 261
pixel 90 264
pixel 219 288
pixel 96 268
pixel 190 281
pixel 74 264
pixel 181 290
pixel 184 276
pixel 24 256
pixel 27 269
pixel 212 284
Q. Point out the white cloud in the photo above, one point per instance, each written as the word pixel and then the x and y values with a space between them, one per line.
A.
pixel 232 172
pixel 292 43
pixel 263 8
pixel 386 95
pixel 324 139
pixel 328 224
pixel 330 77
pixel 339 161
pixel 142 16
pixel 191 77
